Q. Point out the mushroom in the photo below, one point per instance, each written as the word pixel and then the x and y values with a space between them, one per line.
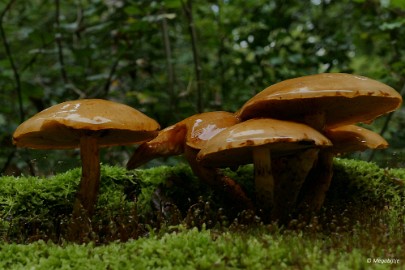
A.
pixel 187 137
pixel 258 141
pixel 352 138
pixel 86 124
pixel 345 139
pixel 323 101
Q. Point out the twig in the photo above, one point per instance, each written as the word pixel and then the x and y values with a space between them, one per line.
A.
pixel 220 53
pixel 58 40
pixel 11 60
pixel 17 82
pixel 188 10
pixel 169 64
pixel 107 84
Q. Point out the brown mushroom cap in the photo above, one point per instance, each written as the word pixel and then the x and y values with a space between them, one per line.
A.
pixel 202 127
pixel 234 145
pixel 353 138
pixel 344 98
pixel 60 126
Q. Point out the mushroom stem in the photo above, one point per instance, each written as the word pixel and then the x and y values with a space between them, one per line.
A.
pixel 316 120
pixel 264 180
pixel 213 177
pixel 317 184
pixel 290 172
pixel 320 176
pixel 90 181
pixel 86 196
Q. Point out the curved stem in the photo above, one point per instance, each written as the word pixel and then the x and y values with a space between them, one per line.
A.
pixel 169 142
pixel 213 177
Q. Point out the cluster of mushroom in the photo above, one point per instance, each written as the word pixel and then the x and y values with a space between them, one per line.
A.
pixel 290 132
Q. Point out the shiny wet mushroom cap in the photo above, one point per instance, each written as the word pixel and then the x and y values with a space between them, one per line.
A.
pixel 352 138
pixel 236 144
pixel 87 124
pixel 193 132
pixel 339 98
pixel 202 127
pixel 257 141
pixel 186 138
pixel 61 126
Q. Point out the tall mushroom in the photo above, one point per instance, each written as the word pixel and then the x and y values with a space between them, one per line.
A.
pixel 323 101
pixel 257 141
pixel 187 137
pixel 326 100
pixel 86 124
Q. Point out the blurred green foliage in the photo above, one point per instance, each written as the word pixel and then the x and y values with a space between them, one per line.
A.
pixel 140 53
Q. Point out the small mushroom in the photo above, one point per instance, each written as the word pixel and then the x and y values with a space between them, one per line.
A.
pixel 352 138
pixel 257 141
pixel 323 101
pixel 187 137
pixel 86 124
pixel 345 139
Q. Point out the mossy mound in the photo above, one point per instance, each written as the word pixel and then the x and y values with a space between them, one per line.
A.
pixel 131 204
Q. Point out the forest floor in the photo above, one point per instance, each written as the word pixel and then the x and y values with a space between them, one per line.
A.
pixel 165 218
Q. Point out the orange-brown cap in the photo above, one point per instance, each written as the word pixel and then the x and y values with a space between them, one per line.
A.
pixel 202 127
pixel 343 98
pixel 62 125
pixel 234 145
pixel 353 138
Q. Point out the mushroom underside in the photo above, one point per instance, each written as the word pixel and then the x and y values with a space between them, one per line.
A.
pixel 57 136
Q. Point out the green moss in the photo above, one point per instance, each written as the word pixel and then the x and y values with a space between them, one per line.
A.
pixel 173 180
pixel 194 249
pixel 363 182
pixel 363 217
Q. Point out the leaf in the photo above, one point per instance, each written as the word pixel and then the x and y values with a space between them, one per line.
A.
pixel 398 4
pixel 172 3
pixel 392 25
pixel 132 10
pixel 156 18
